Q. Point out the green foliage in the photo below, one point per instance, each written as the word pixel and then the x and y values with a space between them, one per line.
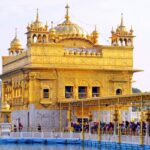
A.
pixel 136 90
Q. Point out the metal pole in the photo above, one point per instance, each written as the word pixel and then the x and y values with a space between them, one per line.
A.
pixel 60 118
pixel 82 122
pixel 119 132
pixel 141 124
pixel 69 119
pixel 99 125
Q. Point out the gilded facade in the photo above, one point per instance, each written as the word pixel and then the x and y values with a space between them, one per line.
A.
pixel 64 62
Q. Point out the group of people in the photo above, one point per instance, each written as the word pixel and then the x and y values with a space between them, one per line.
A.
pixel 18 128
pixel 126 127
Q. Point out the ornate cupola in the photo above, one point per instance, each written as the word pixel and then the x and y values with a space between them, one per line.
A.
pixel 67 29
pixel 95 36
pixel 122 37
pixel 15 46
pixel 37 32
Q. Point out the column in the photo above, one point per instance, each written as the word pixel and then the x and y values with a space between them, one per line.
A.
pixel 141 123
pixel 69 117
pixel 147 126
pixel 141 129
pixel 99 125
pixel 60 117
pixel 76 92
pixel 3 92
pixel 22 88
pixel 89 92
pixel 31 90
pixel 82 121
pixel 116 123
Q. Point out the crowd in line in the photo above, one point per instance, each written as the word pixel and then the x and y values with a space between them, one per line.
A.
pixel 126 127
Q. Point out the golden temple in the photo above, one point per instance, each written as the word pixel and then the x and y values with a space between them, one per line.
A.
pixel 64 63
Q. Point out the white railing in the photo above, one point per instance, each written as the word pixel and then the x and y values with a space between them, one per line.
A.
pixel 72 135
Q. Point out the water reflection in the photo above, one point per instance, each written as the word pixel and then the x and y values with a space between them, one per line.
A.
pixel 43 147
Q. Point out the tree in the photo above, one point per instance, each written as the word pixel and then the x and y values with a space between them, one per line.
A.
pixel 136 90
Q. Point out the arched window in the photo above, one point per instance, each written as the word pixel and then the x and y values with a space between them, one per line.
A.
pixel 34 38
pixel 44 39
pixel 129 42
pixel 39 38
pixel 120 42
pixel 118 92
pixel 125 42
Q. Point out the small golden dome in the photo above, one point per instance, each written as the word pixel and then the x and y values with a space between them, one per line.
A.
pixel 121 29
pixel 52 31
pixel 37 24
pixel 15 43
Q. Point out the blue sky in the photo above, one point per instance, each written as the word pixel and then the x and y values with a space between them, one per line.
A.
pixel 86 13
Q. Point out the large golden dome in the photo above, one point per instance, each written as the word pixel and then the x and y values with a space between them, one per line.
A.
pixel 69 28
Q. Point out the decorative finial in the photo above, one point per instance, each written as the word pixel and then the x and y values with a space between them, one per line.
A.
pixel 46 25
pixel 112 31
pixel 16 33
pixel 52 23
pixel 95 28
pixel 37 15
pixel 28 25
pixel 67 12
pixel 131 30
pixel 122 24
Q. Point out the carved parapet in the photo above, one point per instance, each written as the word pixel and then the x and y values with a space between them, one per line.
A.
pixel 77 53
pixel 88 53
pixel 66 52
pixel 98 54
pixel 71 52
pixel 93 54
pixel 83 53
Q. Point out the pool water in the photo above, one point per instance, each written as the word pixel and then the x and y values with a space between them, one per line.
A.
pixel 45 147
pixel 39 146
pixel 60 147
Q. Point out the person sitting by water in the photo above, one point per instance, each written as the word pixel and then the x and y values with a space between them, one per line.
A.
pixel 15 128
pixel 39 127
pixel 20 127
